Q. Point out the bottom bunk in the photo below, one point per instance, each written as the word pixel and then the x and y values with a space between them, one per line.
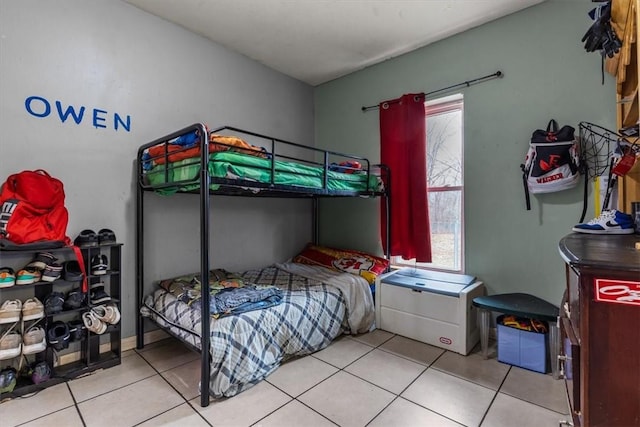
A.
pixel 295 310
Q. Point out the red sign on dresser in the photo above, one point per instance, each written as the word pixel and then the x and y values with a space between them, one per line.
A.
pixel 617 291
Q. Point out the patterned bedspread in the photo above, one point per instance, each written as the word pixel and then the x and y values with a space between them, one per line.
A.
pixel 247 347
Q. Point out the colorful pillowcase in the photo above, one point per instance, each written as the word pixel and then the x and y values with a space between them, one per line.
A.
pixel 355 262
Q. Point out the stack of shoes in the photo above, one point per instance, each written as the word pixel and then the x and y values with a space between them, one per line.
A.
pixel 106 237
pixel 42 267
pixel 609 222
pixel 98 319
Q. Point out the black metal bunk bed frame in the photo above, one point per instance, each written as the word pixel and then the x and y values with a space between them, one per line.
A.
pixel 235 187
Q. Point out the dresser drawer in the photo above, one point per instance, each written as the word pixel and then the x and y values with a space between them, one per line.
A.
pixel 421 303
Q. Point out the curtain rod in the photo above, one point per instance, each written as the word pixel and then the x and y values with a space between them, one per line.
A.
pixel 467 84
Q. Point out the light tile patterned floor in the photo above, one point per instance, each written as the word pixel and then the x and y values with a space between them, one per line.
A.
pixel 377 380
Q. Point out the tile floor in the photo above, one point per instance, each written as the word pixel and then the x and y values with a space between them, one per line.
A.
pixel 375 379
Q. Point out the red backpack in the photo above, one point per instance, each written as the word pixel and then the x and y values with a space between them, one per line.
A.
pixel 32 208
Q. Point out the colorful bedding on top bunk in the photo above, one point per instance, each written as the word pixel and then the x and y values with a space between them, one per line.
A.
pixel 233 158
pixel 315 305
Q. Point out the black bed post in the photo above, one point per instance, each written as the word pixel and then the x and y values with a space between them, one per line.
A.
pixel 139 259
pixel 316 222
pixel 205 368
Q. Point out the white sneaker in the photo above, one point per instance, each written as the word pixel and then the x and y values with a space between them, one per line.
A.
pixel 609 222
pixel 93 323
pixel 10 345
pixel 107 313
pixel 32 309
pixel 10 311
pixel 34 341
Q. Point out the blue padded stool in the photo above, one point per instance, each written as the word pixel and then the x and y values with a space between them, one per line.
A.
pixel 522 305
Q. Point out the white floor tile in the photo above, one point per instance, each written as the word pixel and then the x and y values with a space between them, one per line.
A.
pixel 505 409
pixel 167 354
pixel 66 417
pixel 182 416
pixel 489 373
pixel 23 409
pixel 347 400
pixel 453 397
pixel 245 408
pixel 386 370
pixel 402 413
pixel 342 352
pixel 373 338
pixel 130 405
pixel 131 369
pixel 537 388
pixel 416 351
pixel 185 378
pixel 294 414
pixel 297 376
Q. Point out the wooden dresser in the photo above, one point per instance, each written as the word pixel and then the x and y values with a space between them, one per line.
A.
pixel 600 329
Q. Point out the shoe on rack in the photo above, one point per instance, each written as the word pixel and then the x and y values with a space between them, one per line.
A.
pixel 28 275
pixel 7 277
pixel 52 272
pixel 32 309
pixel 107 313
pixel 77 330
pixel 8 380
pixel 34 341
pixel 86 239
pixel 99 265
pixel 41 260
pixel 92 323
pixel 97 295
pixel 58 335
pixel 10 345
pixel 75 299
pixel 10 311
pixel 53 303
pixel 72 271
pixel 106 237
pixel 609 222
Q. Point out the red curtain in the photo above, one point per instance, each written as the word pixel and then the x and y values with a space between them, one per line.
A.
pixel 403 148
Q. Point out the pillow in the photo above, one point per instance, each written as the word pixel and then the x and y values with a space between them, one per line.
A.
pixel 349 261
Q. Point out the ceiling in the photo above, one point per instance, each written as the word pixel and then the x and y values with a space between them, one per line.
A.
pixel 319 40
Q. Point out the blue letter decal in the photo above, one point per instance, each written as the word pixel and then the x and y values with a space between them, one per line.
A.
pixel 63 115
pixel 96 118
pixel 117 119
pixel 47 106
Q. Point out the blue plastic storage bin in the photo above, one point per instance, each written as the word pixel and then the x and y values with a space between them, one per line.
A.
pixel 522 348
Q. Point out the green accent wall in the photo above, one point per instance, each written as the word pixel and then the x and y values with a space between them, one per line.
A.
pixel 547 74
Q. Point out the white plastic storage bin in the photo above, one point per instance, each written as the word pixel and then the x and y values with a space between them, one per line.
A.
pixel 433 307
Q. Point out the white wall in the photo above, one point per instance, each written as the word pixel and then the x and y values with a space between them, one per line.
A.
pixel 110 56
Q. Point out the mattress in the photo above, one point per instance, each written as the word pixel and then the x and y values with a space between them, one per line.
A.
pixel 245 348
pixel 234 165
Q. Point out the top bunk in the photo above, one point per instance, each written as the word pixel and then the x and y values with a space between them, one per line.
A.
pixel 240 162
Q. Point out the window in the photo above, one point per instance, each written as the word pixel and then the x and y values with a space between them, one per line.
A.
pixel 444 121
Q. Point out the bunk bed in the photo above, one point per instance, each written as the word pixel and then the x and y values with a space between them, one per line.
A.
pixel 232 161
